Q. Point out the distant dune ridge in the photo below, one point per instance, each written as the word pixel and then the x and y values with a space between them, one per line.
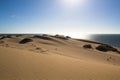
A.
pixel 56 57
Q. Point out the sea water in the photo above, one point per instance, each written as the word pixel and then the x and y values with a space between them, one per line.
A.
pixel 111 39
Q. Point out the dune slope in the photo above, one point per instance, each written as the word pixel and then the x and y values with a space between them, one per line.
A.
pixel 51 60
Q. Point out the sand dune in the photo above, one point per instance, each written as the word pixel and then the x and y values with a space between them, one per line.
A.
pixel 55 58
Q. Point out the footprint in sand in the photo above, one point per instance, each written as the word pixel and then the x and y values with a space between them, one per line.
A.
pixel 41 50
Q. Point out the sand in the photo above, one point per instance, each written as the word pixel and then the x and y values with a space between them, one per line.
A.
pixel 56 59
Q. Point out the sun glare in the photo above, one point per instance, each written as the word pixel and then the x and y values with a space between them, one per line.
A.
pixel 72 3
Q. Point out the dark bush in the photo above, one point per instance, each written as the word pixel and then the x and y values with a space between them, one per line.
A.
pixel 87 46
pixel 61 37
pixel 8 36
pixel 68 37
pixel 2 37
pixel 42 37
pixel 18 35
pixel 45 35
pixel 106 48
pixel 26 40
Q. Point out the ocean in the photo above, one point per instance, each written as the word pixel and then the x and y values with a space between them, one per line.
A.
pixel 111 39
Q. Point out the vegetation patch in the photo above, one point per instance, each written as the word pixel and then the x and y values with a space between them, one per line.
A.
pixel 106 48
pixel 26 40
pixel 87 46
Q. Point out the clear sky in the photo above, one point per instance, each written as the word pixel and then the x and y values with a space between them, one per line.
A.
pixel 69 17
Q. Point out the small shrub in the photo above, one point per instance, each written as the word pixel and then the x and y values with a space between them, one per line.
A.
pixel 18 35
pixel 26 40
pixel 8 36
pixel 87 46
pixel 3 37
pixel 42 37
pixel 68 37
pixel 61 37
pixel 106 48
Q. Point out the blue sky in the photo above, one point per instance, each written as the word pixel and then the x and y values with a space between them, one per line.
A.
pixel 56 17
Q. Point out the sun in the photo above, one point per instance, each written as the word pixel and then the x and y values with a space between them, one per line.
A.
pixel 72 3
